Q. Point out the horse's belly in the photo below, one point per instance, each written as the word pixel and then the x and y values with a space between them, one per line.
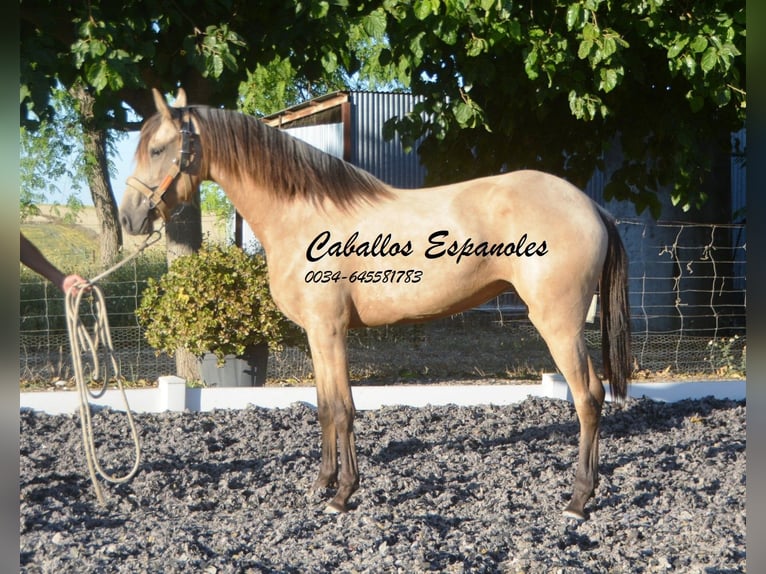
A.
pixel 413 302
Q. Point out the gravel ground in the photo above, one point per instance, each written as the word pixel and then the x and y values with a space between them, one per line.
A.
pixel 445 489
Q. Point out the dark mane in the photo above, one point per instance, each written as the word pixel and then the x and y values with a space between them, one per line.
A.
pixel 290 168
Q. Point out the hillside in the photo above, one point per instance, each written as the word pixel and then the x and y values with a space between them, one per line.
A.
pixel 75 245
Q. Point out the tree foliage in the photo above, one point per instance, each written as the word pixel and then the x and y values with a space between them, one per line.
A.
pixel 49 154
pixel 120 49
pixel 262 55
pixel 278 84
pixel 555 84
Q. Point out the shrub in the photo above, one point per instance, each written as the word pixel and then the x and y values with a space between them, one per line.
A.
pixel 216 301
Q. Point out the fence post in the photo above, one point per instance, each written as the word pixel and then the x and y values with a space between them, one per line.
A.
pixel 172 393
pixel 555 387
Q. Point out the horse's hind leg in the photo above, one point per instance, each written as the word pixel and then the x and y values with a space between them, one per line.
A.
pixel 588 398
pixel 571 355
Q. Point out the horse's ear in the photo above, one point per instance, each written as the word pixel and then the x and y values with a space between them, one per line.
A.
pixel 180 99
pixel 162 106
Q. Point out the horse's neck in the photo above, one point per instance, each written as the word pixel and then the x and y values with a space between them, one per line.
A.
pixel 254 203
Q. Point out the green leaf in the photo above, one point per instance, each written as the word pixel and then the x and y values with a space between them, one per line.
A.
pixel 217 66
pixel 699 44
pixel 374 24
pixel 616 189
pixel 573 16
pixel 609 79
pixel 330 62
pixel 709 59
pixel 529 65
pixel 591 106
pixel 464 114
pixel 584 50
pixel 722 96
pixel 609 47
pixel 422 9
pixel 319 10
pixel 416 47
pixel 230 61
pixel 98 76
pixel 690 65
pixel 97 48
pixel 590 32
pixel 514 30
pixel 476 46
pixel 389 129
pixel 575 105
pixel 447 31
pixel 677 48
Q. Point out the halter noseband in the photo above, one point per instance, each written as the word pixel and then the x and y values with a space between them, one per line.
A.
pixel 156 195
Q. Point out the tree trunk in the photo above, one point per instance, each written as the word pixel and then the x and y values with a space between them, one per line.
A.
pixel 183 235
pixel 94 141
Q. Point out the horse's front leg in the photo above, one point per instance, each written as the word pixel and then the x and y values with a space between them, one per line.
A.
pixel 328 468
pixel 336 414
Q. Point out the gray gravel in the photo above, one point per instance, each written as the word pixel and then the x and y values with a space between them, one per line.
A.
pixel 445 489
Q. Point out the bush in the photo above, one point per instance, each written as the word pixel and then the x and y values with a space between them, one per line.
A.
pixel 214 301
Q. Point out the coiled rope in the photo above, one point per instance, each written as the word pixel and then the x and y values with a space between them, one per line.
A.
pixel 96 343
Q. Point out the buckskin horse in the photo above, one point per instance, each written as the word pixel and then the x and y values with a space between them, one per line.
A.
pixel 345 250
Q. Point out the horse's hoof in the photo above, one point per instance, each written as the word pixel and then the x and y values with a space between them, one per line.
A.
pixel 574 514
pixel 334 508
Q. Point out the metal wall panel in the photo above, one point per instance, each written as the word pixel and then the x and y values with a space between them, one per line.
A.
pixel 738 176
pixel 327 137
pixel 370 151
pixel 738 206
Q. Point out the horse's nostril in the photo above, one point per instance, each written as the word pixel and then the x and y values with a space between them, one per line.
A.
pixel 125 221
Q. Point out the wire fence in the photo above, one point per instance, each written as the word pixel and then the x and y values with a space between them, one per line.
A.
pixel 687 294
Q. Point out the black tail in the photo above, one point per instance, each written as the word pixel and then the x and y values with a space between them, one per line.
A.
pixel 615 312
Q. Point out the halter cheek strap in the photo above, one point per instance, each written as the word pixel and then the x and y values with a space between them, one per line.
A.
pixel 156 195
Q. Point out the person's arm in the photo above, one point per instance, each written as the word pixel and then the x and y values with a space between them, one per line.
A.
pixel 36 261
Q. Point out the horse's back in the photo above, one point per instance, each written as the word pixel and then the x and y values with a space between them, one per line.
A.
pixel 532 193
pixel 541 206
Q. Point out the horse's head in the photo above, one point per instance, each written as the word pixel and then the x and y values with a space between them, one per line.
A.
pixel 167 167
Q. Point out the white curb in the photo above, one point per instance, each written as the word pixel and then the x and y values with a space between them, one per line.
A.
pixel 172 395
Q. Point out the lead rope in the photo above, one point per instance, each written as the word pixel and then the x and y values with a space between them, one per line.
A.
pixel 98 344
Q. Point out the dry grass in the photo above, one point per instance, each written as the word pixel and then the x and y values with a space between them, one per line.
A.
pixel 69 247
pixel 464 347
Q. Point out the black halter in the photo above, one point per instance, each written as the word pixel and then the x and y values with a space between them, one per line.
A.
pixel 156 194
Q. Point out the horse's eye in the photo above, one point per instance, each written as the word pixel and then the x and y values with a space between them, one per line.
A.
pixel 156 151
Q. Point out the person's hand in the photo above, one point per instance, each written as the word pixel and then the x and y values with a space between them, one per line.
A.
pixel 74 281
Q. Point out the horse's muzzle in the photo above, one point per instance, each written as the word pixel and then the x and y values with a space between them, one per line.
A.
pixel 137 225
